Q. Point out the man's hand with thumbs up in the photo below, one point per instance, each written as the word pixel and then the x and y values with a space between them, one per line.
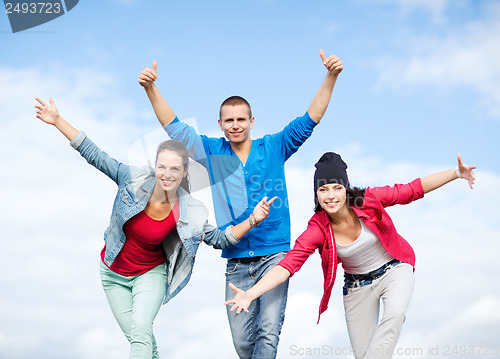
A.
pixel 148 76
pixel 320 102
pixel 332 63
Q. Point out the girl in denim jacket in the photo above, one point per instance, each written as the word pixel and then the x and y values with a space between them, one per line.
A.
pixel 154 232
pixel 351 226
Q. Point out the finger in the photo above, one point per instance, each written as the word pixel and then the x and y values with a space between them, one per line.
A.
pixel 270 202
pixel 239 310
pixel 229 301
pixel 459 159
pixel 41 102
pixel 322 54
pixel 331 60
pixel 233 287
pixel 155 66
pixel 144 77
pixel 150 73
pixel 335 64
pixel 52 102
pixel 233 308
pixel 39 107
pixel 149 77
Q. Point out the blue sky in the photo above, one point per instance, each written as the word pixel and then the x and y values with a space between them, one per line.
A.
pixel 420 84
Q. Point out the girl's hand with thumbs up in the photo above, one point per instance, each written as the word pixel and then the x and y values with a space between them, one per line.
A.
pixel 148 76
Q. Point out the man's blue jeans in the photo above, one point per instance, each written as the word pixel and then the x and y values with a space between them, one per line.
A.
pixel 256 334
pixel 135 301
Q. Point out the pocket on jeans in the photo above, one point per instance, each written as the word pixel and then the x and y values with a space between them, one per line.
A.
pixel 231 267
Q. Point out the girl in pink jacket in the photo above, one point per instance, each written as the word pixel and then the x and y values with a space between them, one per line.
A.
pixel 351 227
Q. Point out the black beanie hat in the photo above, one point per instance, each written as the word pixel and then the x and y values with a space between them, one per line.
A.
pixel 330 169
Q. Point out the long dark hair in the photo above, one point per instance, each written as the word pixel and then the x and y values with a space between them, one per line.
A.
pixel 355 197
pixel 181 150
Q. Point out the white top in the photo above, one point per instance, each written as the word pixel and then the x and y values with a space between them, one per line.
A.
pixel 363 255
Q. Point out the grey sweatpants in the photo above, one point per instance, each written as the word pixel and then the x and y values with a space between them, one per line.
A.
pixel 370 338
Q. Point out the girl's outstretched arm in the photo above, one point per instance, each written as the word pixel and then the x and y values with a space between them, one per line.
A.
pixel 436 180
pixel 49 114
pixel 271 280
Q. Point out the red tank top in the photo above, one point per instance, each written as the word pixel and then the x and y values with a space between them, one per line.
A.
pixel 142 250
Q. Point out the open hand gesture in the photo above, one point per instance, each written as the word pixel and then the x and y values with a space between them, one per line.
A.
pixel 47 113
pixel 241 302
pixel 466 172
pixel 148 76
pixel 332 63
pixel 261 210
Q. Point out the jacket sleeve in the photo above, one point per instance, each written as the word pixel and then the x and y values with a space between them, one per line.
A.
pixel 112 168
pixel 293 135
pixel 305 245
pixel 399 193
pixel 188 136
pixel 219 239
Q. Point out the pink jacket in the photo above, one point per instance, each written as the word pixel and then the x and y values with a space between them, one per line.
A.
pixel 319 233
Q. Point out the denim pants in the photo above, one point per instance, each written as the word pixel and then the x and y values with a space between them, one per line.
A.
pixel 256 333
pixel 135 301
pixel 369 337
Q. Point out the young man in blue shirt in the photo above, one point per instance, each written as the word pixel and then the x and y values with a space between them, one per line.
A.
pixel 241 172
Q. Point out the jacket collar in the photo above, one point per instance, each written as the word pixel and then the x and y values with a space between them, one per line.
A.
pixel 322 219
pixel 183 198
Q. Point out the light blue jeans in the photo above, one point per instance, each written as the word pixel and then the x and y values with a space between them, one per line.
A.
pixel 135 301
pixel 256 334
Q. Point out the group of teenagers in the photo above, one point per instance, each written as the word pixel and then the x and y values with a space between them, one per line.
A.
pixel 156 227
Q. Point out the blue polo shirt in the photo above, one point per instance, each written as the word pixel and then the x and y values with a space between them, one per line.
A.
pixel 237 188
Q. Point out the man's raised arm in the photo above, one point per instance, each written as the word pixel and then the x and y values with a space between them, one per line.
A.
pixel 163 111
pixel 320 102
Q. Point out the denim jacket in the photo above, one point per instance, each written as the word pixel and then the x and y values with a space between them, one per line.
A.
pixel 135 186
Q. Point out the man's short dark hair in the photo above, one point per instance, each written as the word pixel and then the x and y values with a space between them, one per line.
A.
pixel 235 101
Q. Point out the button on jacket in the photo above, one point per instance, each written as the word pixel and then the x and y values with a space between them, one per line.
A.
pixel 319 234
pixel 135 186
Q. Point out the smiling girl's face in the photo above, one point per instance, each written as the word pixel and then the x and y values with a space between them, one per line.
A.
pixel 169 170
pixel 332 197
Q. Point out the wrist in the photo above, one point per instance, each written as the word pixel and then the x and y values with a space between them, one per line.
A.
pixel 58 121
pixel 149 87
pixel 251 294
pixel 253 222
pixel 457 172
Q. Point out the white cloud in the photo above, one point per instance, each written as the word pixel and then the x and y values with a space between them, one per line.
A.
pixel 435 8
pixel 465 56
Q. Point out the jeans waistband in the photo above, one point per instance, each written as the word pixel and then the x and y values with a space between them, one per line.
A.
pixel 360 280
pixel 246 260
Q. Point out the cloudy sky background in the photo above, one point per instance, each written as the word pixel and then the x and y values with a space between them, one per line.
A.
pixel 420 84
